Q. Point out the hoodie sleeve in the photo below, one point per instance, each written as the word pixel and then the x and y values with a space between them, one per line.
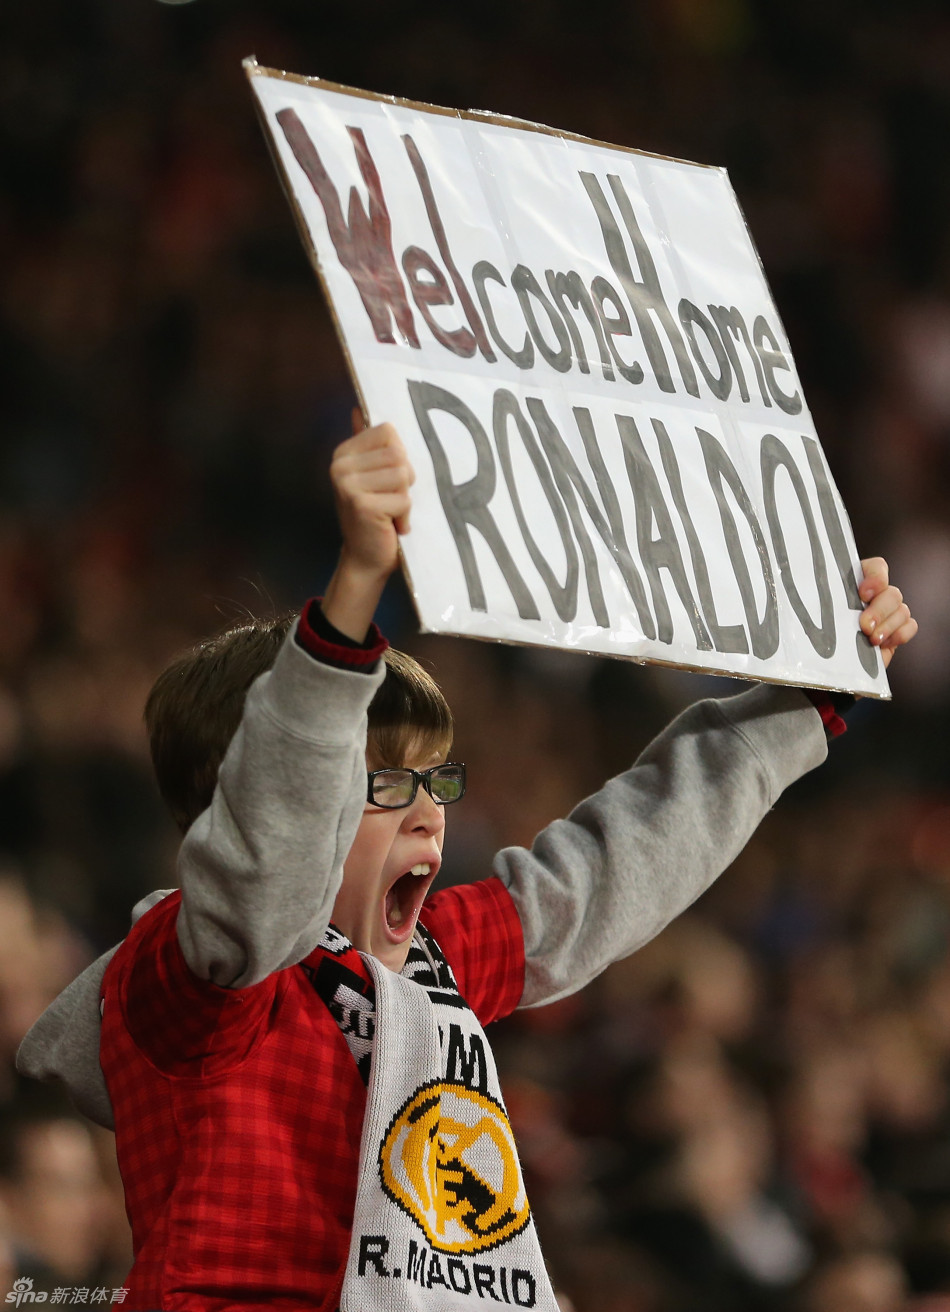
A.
pixel 64 1043
pixel 261 867
pixel 595 887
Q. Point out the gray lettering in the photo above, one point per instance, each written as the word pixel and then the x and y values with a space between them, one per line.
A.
pixel 571 483
pixel 568 287
pixel 764 632
pixel 726 637
pixel 526 285
pixel 773 357
pixel 732 325
pixel 564 597
pixel 867 654
pixel 466 504
pixel 662 551
pixel 482 271
pixel 822 635
pixel 646 295
pixel 614 325
pixel 719 384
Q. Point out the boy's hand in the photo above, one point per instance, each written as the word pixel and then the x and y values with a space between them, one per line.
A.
pixel 886 619
pixel 371 477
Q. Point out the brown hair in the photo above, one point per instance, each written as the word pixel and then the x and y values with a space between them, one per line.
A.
pixel 195 706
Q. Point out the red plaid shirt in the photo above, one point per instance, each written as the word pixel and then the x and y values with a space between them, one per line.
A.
pixel 239 1111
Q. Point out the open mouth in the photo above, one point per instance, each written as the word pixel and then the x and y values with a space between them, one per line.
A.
pixel 405 898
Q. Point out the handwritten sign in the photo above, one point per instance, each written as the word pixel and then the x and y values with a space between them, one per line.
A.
pixel 581 352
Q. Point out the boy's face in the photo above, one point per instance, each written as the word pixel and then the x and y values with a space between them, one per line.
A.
pixel 395 856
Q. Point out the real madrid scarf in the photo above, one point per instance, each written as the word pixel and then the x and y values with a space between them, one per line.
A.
pixel 442 1222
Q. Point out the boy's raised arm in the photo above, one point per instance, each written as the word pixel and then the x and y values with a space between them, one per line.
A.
pixel 598 885
pixel 260 868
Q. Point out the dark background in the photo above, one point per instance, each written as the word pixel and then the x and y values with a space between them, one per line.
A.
pixel 750 1114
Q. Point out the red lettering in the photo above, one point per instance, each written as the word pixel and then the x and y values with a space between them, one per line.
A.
pixel 438 230
pixel 363 242
pixel 434 290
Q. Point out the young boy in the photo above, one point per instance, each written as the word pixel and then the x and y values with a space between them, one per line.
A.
pixel 306 1109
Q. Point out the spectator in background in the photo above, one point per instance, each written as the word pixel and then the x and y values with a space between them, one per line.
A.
pixel 53 1197
pixel 865 1281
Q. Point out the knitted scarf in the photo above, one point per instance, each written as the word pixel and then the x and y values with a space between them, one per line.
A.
pixel 442 1222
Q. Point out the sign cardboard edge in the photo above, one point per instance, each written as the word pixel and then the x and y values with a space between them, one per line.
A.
pixel 681 666
pixel 253 69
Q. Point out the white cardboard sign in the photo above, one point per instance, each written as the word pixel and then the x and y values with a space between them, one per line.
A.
pixel 580 350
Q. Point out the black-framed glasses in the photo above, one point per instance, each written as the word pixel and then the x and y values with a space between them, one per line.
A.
pixel 396 788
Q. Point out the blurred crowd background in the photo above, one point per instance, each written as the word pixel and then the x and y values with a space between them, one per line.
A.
pixel 751 1115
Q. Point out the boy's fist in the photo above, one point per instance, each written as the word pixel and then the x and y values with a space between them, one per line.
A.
pixel 886 619
pixel 371 477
